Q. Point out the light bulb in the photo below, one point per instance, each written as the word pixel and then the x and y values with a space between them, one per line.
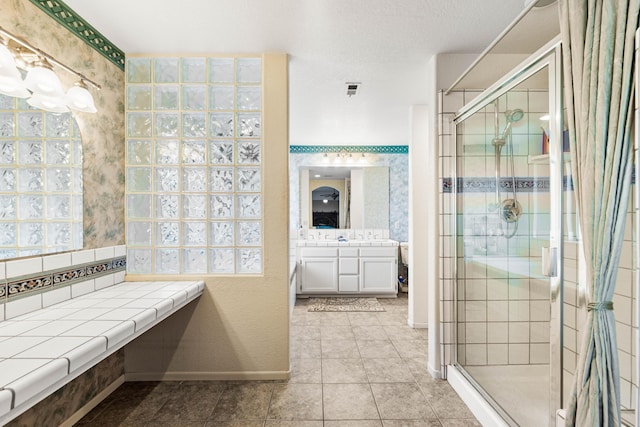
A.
pixel 48 103
pixel 42 80
pixel 79 98
pixel 11 82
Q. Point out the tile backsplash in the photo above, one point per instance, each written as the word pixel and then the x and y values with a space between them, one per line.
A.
pixel 346 233
pixel 32 283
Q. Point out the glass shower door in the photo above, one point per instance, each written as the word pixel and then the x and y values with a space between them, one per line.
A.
pixel 508 226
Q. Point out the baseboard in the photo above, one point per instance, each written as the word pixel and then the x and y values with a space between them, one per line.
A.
pixel 417 325
pixel 88 407
pixel 207 376
pixel 435 373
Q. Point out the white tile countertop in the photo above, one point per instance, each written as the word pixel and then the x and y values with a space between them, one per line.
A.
pixel 357 243
pixel 47 348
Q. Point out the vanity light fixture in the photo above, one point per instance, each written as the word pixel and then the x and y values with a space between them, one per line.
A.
pixel 545 118
pixel 42 85
pixel 11 83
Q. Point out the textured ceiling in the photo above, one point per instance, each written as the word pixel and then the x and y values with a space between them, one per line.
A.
pixel 385 44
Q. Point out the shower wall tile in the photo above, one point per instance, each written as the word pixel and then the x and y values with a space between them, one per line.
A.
pixel 497 354
pixel 539 353
pixel 518 354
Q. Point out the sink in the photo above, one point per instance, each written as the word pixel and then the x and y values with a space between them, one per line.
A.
pixel 377 242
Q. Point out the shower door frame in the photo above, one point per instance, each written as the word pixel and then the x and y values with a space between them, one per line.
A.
pixel 548 56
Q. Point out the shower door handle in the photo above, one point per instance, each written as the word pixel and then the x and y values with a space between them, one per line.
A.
pixel 549 262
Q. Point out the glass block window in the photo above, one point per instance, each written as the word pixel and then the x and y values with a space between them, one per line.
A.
pixel 194 165
pixel 40 181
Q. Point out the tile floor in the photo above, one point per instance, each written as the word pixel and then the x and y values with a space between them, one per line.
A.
pixel 348 370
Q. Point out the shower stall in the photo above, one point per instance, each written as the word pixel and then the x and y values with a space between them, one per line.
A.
pixel 514 246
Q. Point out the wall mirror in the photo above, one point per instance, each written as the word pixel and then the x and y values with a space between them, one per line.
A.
pixel 40 181
pixel 361 197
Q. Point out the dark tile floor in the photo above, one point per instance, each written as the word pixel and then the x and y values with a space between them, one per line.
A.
pixel 348 370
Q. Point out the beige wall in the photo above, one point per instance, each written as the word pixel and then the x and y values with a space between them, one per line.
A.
pixel 239 328
pixel 102 133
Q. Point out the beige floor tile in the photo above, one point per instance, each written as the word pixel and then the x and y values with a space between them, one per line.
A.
pixel 340 332
pixel 353 423
pixel 305 332
pixel 391 318
pixel 369 333
pixel 411 423
pixel 234 423
pixel 244 401
pixel 349 402
pixel 340 349
pixel 190 402
pixel 461 423
pixel 343 371
pixel 377 349
pixel 305 349
pixel 306 371
pixel 418 368
pixel 450 406
pixel 296 402
pixel 397 332
pixel 401 401
pixel 333 319
pixel 433 388
pixel 297 423
pixel 411 349
pixel 175 423
pixel 363 319
pixel 387 371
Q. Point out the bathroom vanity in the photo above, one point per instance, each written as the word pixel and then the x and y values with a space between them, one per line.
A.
pixel 360 267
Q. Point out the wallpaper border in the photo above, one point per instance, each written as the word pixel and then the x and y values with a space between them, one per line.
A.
pixel 69 19
pixel 386 149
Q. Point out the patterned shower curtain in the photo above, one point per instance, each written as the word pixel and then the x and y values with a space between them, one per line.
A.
pixel 598 54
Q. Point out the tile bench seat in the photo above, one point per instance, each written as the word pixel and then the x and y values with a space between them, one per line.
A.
pixel 47 348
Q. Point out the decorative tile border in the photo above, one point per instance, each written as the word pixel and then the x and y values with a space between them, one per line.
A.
pixel 488 185
pixel 46 281
pixel 63 14
pixel 523 184
pixel 380 149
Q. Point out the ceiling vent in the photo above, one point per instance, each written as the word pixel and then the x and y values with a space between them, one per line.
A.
pixel 352 88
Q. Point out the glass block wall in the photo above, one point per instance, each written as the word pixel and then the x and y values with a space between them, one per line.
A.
pixel 40 181
pixel 193 166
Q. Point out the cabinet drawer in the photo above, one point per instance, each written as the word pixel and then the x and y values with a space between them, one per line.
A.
pixel 318 252
pixel 348 252
pixel 348 284
pixel 348 266
pixel 379 251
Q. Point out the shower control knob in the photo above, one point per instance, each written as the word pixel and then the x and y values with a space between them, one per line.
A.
pixel 511 210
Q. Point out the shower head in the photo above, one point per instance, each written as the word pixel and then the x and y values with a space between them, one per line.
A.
pixel 514 115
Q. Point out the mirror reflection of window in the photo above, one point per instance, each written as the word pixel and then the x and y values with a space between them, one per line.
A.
pixel 325 203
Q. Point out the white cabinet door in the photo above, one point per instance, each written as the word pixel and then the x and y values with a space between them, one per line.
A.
pixel 348 283
pixel 319 275
pixel 378 275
